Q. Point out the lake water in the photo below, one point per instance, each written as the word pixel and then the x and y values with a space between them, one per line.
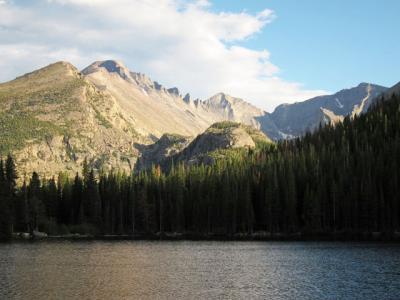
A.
pixel 199 270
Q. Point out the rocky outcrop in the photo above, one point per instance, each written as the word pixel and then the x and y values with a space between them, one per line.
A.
pixel 217 138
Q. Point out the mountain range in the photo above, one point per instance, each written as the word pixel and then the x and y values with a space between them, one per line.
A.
pixel 54 118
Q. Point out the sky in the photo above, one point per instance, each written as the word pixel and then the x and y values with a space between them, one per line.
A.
pixel 267 52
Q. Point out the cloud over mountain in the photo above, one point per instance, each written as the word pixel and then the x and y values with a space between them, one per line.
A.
pixel 182 43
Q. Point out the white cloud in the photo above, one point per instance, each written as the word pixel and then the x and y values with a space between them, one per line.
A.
pixel 178 43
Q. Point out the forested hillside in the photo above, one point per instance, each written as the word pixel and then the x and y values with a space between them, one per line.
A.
pixel 341 179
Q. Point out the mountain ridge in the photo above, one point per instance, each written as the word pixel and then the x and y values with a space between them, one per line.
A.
pixel 297 118
pixel 111 116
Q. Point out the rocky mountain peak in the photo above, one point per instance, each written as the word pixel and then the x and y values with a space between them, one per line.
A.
pixel 111 66
pixel 58 69
pixel 220 98
pixel 65 64
pixel 363 84
pixel 225 100
pixel 116 67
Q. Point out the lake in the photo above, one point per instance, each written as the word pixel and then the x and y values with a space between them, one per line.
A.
pixel 199 270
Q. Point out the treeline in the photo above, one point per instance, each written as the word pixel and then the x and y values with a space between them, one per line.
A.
pixel 340 179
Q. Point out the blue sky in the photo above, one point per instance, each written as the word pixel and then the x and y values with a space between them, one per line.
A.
pixel 329 44
pixel 267 52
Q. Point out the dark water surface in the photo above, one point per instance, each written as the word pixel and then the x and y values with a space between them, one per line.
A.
pixel 199 270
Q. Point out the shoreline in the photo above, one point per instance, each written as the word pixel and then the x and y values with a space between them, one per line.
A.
pixel 297 237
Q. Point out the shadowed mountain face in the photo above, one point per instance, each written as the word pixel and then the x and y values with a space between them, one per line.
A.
pixel 394 90
pixel 55 117
pixel 295 119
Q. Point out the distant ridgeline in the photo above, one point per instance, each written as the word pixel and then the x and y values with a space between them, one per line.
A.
pixel 341 179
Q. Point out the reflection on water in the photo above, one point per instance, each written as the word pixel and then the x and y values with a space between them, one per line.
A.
pixel 199 270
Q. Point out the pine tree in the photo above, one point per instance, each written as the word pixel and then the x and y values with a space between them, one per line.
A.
pixel 5 212
pixel 77 200
pixel 35 205
pixel 11 183
pixel 92 198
